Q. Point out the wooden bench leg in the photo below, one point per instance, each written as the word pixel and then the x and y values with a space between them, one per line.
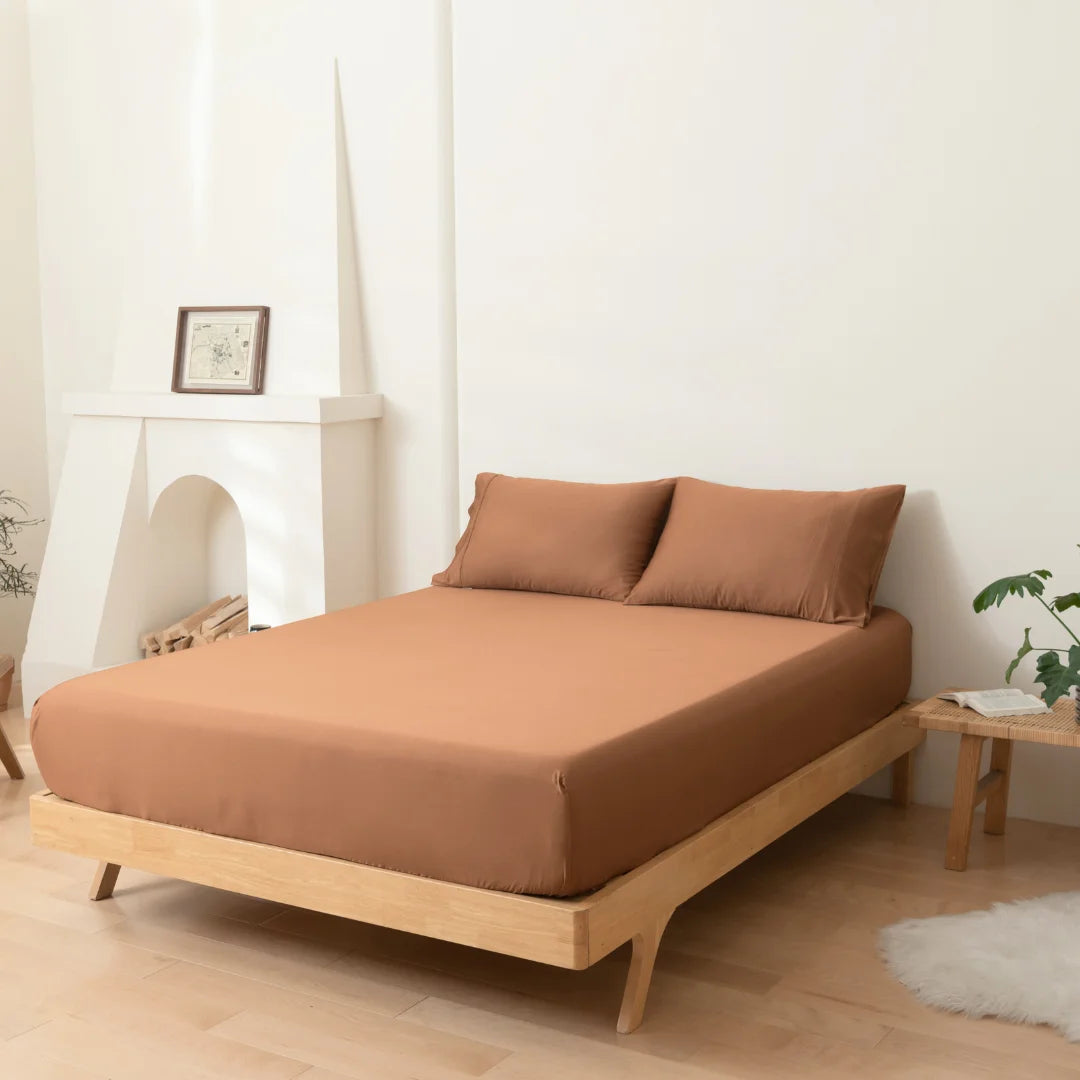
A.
pixel 965 798
pixel 903 779
pixel 997 802
pixel 645 944
pixel 8 758
pixel 104 881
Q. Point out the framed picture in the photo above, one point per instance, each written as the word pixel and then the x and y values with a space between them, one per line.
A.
pixel 220 350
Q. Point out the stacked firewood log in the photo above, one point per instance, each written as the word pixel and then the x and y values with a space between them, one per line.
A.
pixel 224 618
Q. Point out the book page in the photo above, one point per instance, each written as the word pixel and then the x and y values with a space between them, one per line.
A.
pixel 993 703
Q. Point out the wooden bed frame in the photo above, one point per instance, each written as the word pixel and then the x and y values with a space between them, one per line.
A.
pixel 570 933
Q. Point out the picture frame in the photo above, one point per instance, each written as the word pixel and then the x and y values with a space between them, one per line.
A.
pixel 220 350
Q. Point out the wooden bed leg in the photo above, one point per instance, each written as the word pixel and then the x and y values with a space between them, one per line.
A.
pixel 646 942
pixel 104 881
pixel 903 779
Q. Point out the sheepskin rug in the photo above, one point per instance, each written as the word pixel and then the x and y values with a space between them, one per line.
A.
pixel 1019 961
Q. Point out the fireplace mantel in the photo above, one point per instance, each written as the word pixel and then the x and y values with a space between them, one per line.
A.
pixel 282 409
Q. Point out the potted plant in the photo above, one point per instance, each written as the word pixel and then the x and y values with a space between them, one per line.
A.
pixel 15 579
pixel 1058 667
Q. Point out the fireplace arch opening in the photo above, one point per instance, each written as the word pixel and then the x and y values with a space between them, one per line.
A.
pixel 197 550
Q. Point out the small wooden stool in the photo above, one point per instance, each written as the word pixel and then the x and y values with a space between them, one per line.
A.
pixel 8 758
pixel 1058 727
pixel 7 673
pixel 7 755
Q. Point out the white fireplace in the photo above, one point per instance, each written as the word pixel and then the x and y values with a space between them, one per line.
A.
pixel 165 498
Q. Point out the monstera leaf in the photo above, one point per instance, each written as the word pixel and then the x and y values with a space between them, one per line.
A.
pixel 997 591
pixel 1056 676
pixel 1024 650
pixel 1069 600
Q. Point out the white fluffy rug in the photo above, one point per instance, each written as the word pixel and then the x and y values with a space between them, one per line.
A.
pixel 1019 961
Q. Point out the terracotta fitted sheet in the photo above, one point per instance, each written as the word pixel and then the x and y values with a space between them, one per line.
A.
pixel 521 741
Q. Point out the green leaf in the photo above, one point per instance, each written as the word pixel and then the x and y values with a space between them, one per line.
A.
pixel 997 591
pixel 1024 650
pixel 1057 677
pixel 1069 600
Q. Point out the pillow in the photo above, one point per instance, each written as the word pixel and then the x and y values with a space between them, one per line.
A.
pixel 811 554
pixel 558 537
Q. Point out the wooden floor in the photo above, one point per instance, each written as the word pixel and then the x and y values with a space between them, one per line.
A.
pixel 771 972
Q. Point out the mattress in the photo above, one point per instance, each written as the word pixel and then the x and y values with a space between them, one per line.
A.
pixel 518 741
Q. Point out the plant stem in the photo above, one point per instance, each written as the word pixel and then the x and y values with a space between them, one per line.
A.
pixel 1059 619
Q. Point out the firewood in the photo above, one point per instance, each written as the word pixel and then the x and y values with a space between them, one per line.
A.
pixel 185 626
pixel 229 611
pixel 225 617
pixel 222 629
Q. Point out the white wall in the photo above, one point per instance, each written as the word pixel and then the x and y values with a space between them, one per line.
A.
pixel 186 155
pixel 22 418
pixel 812 244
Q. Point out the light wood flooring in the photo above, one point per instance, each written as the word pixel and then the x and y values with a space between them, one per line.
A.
pixel 771 972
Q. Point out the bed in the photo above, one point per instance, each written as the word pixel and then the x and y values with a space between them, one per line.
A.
pixel 543 775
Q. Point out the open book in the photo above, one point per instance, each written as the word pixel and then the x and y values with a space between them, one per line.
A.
pixel 993 703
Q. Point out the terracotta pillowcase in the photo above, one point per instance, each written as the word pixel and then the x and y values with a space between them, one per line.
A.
pixel 558 537
pixel 813 555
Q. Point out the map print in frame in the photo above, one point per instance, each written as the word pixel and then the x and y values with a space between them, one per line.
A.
pixel 220 350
